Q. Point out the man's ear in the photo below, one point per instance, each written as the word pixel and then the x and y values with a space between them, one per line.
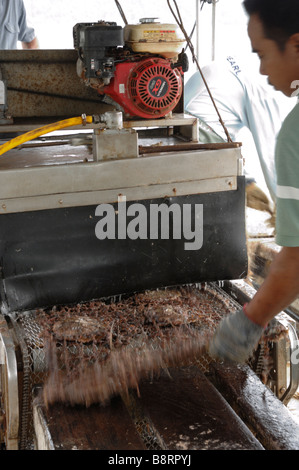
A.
pixel 294 42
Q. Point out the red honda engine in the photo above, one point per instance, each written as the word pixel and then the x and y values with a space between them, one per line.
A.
pixel 138 67
pixel 149 88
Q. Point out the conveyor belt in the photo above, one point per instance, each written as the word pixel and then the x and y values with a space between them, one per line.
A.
pixel 182 402
pixel 180 411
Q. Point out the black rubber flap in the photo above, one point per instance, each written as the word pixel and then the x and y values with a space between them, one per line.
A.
pixel 55 257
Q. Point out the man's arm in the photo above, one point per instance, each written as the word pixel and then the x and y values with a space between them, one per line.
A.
pixel 27 34
pixel 31 45
pixel 279 289
pixel 238 333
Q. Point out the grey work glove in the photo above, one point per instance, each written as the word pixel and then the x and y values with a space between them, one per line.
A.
pixel 235 338
pixel 256 198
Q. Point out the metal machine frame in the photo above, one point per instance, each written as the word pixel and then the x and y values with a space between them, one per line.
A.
pixel 47 214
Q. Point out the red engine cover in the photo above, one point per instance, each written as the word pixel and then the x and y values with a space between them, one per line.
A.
pixel 148 89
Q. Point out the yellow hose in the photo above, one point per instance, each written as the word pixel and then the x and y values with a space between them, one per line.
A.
pixel 44 130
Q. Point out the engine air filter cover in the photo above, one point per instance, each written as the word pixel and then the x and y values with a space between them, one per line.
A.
pixel 154 37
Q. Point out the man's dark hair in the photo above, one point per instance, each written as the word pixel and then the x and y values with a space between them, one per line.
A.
pixel 280 18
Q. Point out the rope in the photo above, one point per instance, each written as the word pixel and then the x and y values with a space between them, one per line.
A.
pixel 178 18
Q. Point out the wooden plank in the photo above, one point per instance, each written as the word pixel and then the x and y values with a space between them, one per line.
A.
pixel 189 414
pixel 264 413
pixel 94 428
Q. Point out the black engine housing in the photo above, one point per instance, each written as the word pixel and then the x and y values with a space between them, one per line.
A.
pixel 95 43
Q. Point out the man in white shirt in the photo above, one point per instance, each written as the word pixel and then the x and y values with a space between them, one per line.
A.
pixel 14 27
pixel 244 100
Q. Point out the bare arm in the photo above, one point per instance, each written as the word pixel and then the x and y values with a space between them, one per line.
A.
pixel 31 45
pixel 279 290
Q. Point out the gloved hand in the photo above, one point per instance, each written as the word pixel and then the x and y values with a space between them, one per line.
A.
pixel 256 198
pixel 235 338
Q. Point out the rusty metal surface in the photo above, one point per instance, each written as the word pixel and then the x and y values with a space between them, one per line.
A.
pixel 189 146
pixel 39 55
pixel 259 408
pixel 45 83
